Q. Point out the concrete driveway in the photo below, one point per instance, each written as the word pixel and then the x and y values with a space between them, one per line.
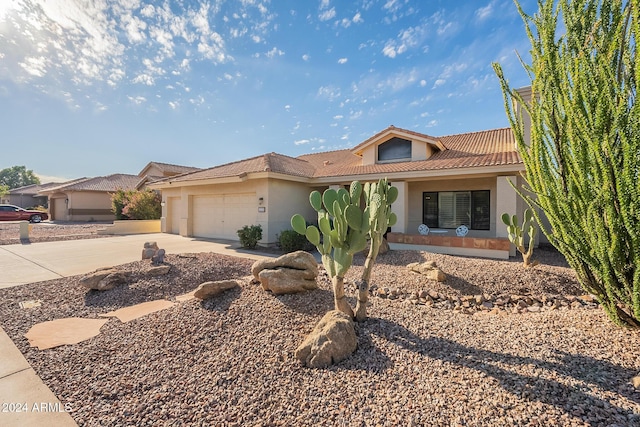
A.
pixel 36 262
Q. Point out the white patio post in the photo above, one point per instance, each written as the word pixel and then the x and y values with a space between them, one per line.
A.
pixel 401 207
pixel 506 202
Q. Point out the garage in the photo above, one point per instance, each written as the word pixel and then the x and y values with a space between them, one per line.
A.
pixel 59 209
pixel 221 216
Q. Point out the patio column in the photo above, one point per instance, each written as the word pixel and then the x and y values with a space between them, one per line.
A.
pixel 506 202
pixel 401 207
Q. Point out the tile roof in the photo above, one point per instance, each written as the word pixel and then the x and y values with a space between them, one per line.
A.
pixel 33 188
pixel 487 148
pixel 270 162
pixel 168 168
pixel 494 147
pixel 101 183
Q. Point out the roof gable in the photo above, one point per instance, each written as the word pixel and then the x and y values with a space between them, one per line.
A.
pixel 394 132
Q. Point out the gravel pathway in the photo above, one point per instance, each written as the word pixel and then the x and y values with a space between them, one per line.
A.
pixel 229 361
pixel 51 231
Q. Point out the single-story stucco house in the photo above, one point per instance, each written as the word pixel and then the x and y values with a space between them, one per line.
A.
pixel 89 199
pixel 28 196
pixel 443 182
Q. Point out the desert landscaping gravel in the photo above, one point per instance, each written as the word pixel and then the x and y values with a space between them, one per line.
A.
pixel 51 231
pixel 421 361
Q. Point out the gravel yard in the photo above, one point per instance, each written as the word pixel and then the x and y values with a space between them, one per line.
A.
pixel 229 360
pixel 51 231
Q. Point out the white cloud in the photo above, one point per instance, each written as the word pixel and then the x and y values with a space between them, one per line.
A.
pixel 338 117
pixel 35 66
pixel 438 83
pixel 306 57
pixel 329 92
pixel 406 39
pixel 174 105
pixel 274 52
pixel 432 123
pixel 301 141
pixel 287 107
pixel 485 12
pixel 357 18
pixel 137 99
pixel 328 14
pixel 342 60
pixel 423 83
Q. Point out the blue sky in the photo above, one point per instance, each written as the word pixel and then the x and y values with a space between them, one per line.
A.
pixel 95 87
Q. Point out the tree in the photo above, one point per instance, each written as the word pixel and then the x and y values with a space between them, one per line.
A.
pixel 17 176
pixel 345 227
pixel 4 189
pixel 582 160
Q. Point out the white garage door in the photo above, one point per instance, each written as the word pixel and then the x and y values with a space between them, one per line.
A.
pixel 175 213
pixel 221 216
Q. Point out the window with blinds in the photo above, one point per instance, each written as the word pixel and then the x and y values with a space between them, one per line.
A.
pixel 450 209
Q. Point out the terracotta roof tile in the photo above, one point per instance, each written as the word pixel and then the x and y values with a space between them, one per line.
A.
pixel 173 169
pixel 271 162
pixel 101 183
pixel 486 148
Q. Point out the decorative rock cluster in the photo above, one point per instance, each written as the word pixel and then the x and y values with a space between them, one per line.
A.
pixel 503 303
pixel 291 273
pixel 152 252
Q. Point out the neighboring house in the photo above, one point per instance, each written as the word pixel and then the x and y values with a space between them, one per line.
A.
pixel 28 196
pixel 443 182
pixel 89 199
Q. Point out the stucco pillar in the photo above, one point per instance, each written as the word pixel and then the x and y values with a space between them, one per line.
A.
pixel 401 207
pixel 506 202
pixel 163 217
pixel 186 228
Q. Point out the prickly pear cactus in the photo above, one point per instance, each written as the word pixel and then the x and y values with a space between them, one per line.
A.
pixel 342 231
pixel 517 235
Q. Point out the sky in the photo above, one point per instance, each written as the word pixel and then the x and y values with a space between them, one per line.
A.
pixel 96 87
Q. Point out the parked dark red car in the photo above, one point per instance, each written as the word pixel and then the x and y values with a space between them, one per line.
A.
pixel 15 213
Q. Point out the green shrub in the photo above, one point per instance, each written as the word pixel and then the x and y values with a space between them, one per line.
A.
pixel 146 204
pixel 119 200
pixel 291 241
pixel 250 235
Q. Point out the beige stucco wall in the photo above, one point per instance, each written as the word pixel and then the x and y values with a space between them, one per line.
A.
pixel 284 199
pixel 89 206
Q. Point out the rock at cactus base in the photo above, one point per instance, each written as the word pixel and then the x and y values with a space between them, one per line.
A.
pixel 331 341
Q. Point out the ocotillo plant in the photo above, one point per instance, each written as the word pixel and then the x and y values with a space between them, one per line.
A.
pixel 344 226
pixel 582 158
pixel 518 235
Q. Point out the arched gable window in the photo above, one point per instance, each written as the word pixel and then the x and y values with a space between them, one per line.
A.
pixel 394 149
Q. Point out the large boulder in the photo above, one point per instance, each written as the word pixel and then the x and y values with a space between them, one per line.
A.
pixel 428 269
pixel 286 281
pixel 291 273
pixel 332 340
pixel 104 279
pixel 211 289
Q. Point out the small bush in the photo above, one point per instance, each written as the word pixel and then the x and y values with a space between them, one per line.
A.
pixel 290 241
pixel 119 200
pixel 146 204
pixel 250 235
